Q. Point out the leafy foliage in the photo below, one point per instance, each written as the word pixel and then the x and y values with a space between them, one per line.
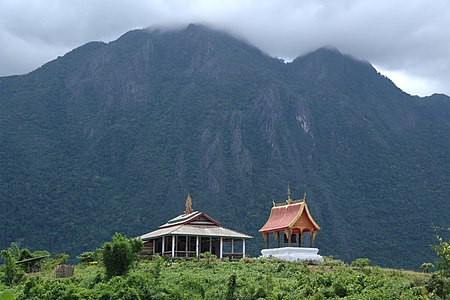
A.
pixel 360 262
pixel 245 279
pixel 13 273
pixel 120 254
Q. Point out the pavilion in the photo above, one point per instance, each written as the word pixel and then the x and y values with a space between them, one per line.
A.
pixel 290 221
pixel 191 234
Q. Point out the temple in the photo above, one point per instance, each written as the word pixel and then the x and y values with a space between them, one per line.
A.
pixel 290 221
pixel 193 233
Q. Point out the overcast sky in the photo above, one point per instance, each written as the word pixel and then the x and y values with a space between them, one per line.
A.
pixel 409 41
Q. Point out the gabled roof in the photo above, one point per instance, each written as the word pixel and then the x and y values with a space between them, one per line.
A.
pixel 193 223
pixel 283 217
pixel 195 217
pixel 194 230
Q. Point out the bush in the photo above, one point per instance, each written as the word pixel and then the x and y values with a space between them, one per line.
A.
pixel 86 257
pixel 443 252
pixel 119 254
pixel 426 267
pixel 360 262
pixel 12 272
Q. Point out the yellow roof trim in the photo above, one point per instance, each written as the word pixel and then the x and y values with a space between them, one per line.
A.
pixel 304 207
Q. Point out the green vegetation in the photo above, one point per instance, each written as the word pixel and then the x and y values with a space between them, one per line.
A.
pixel 210 278
pixel 245 279
pixel 120 254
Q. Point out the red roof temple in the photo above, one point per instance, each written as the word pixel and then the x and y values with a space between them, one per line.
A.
pixel 290 218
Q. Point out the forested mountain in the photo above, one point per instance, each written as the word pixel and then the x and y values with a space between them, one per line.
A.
pixel 111 137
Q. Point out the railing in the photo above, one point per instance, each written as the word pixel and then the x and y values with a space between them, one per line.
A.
pixel 180 254
pixel 233 256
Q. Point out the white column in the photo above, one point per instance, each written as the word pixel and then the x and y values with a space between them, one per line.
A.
pixel 173 246
pixel 221 248
pixel 196 247
pixel 210 245
pixel 162 248
pixel 232 246
pixel 243 247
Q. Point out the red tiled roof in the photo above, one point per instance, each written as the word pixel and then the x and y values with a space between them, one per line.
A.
pixel 283 217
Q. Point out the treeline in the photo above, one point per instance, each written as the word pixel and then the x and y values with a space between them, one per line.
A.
pixel 114 271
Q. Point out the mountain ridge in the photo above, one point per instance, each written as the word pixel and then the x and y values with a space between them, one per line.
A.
pixel 111 137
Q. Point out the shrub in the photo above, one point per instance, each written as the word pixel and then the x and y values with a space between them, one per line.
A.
pixel 426 267
pixel 12 272
pixel 86 257
pixel 360 262
pixel 443 252
pixel 119 254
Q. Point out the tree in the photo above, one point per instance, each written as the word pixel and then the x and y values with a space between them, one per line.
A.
pixel 439 283
pixel 442 250
pixel 119 254
pixel 426 267
pixel 13 273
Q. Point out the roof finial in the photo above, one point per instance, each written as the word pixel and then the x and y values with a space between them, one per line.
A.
pixel 188 205
pixel 304 197
pixel 273 201
pixel 289 200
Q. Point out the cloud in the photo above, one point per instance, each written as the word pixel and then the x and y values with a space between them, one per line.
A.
pixel 398 36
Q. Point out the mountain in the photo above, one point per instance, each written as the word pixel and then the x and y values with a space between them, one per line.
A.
pixel 112 136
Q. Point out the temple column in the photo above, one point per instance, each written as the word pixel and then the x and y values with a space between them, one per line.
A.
pixel 196 247
pixel 289 234
pixel 162 246
pixel 243 247
pixel 301 238
pixel 210 245
pixel 266 239
pixel 173 246
pixel 276 234
pixel 221 248
pixel 232 246
pixel 312 238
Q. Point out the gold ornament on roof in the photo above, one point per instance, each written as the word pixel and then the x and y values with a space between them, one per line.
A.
pixel 289 199
pixel 188 205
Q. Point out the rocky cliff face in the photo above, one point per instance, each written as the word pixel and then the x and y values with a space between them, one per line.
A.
pixel 111 137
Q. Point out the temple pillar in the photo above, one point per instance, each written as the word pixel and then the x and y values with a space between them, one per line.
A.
pixel 301 238
pixel 276 234
pixel 289 235
pixel 266 239
pixel 243 247
pixel 312 238
pixel 221 249
pixel 232 246
pixel 162 246
pixel 173 246
pixel 197 247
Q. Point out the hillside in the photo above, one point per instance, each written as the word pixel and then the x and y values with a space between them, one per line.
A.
pixel 111 137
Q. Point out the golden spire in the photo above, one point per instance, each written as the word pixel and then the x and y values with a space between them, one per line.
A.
pixel 188 205
pixel 304 197
pixel 289 200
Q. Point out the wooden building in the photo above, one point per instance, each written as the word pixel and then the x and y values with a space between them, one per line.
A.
pixel 193 233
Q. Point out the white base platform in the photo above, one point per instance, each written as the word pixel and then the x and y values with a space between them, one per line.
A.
pixel 293 253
